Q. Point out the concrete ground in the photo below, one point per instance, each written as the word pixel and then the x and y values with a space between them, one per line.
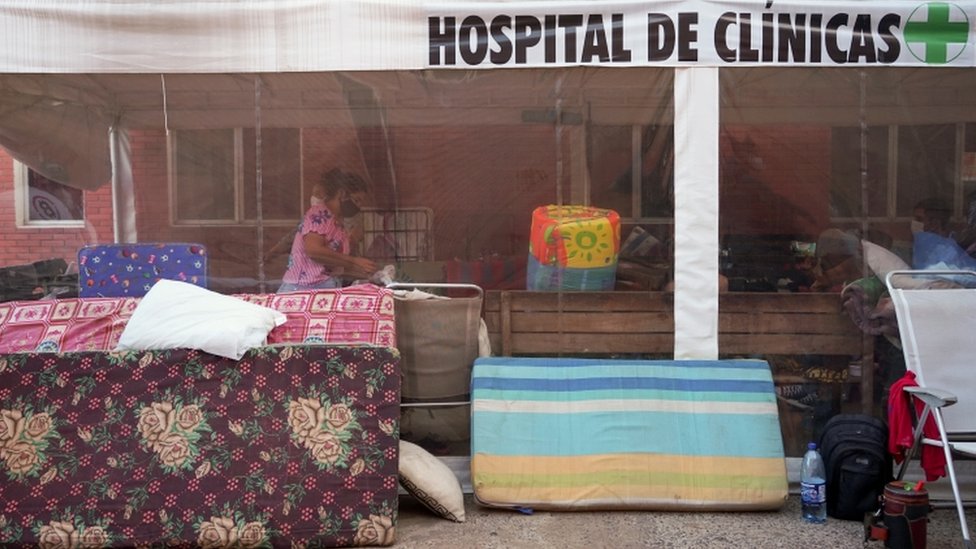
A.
pixel 495 528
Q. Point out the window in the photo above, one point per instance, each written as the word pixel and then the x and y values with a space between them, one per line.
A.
pixel 42 202
pixel 213 176
pixel 619 152
pixel 846 173
pixel 926 164
pixel 904 164
pixel 969 174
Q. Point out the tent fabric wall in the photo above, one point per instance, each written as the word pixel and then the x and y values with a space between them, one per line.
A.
pixel 61 131
pixel 72 72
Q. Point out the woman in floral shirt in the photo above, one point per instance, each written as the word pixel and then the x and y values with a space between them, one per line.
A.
pixel 320 252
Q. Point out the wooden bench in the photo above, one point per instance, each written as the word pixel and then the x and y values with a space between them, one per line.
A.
pixel 522 323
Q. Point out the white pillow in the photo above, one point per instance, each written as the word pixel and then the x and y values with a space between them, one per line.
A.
pixel 175 314
pixel 881 261
pixel 431 481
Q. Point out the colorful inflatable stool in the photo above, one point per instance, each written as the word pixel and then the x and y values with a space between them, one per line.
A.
pixel 573 248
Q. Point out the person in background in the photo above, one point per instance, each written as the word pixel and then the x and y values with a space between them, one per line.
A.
pixel 838 261
pixel 320 251
pixel 284 245
pixel 967 237
pixel 932 216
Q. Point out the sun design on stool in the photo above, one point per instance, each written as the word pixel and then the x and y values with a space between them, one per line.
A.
pixel 588 243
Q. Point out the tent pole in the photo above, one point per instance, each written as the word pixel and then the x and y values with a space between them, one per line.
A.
pixel 696 238
pixel 123 192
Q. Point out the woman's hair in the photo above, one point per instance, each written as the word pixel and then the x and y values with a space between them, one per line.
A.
pixel 336 180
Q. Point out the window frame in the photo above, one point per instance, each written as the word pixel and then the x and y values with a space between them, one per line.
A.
pixel 21 173
pixel 636 171
pixel 891 185
pixel 239 219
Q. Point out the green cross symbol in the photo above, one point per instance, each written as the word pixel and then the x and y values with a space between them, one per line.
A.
pixel 937 32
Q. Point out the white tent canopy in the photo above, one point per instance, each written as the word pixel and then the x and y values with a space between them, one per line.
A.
pixel 247 36
pixel 177 36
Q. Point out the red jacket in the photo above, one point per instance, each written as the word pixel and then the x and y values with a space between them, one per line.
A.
pixel 900 437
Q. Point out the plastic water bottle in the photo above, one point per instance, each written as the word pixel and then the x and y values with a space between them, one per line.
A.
pixel 813 486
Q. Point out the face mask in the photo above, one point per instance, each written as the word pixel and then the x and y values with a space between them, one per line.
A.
pixel 316 201
pixel 348 208
pixel 917 226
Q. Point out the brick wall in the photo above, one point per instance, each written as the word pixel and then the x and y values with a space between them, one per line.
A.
pixel 28 244
pixel 227 246
pixel 774 181
pixel 231 249
pixel 473 179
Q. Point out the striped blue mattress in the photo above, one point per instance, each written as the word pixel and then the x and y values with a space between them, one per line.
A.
pixel 558 433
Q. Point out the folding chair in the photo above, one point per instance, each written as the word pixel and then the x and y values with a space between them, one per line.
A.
pixel 936 317
pixel 438 343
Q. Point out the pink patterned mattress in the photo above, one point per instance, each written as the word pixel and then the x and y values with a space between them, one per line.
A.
pixel 354 315
pixel 290 446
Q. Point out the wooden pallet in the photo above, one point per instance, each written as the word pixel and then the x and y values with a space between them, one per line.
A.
pixel 524 323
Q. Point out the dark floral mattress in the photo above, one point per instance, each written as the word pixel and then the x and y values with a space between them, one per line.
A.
pixel 291 445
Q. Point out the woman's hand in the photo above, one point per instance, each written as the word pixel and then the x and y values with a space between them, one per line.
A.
pixel 361 267
pixel 352 267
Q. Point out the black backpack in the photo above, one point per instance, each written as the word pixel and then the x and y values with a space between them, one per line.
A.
pixel 855 452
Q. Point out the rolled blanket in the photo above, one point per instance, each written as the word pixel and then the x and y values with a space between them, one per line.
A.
pixel 866 302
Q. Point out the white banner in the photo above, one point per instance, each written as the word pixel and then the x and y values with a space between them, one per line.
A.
pixel 536 34
pixel 179 36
